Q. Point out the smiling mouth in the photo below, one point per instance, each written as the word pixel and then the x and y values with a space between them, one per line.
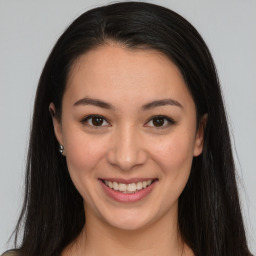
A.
pixel 128 188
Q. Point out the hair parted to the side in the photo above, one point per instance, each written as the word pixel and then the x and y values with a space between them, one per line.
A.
pixel 210 218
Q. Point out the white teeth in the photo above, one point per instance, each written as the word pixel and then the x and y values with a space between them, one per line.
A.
pixel 115 185
pixel 139 185
pixel 122 187
pixel 110 184
pixel 131 187
pixel 128 188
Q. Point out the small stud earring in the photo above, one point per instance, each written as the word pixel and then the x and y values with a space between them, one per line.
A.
pixel 61 149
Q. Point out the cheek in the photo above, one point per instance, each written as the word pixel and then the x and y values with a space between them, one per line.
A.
pixel 174 155
pixel 83 154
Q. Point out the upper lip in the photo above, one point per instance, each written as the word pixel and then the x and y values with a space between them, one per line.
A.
pixel 127 181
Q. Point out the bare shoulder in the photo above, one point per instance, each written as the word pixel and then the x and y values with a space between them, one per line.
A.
pixel 10 253
pixel 188 251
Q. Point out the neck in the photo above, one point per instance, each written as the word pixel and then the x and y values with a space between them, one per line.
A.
pixel 99 238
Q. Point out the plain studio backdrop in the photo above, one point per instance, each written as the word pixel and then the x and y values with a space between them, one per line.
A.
pixel 28 31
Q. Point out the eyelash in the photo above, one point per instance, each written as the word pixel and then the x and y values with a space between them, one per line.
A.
pixel 85 120
pixel 166 118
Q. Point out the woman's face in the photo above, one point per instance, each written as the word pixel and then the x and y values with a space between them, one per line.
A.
pixel 128 128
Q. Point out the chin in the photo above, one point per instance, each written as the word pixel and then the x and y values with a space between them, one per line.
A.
pixel 130 225
pixel 129 221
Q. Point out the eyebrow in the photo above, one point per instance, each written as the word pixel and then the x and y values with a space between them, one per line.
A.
pixel 148 106
pixel 163 102
pixel 94 102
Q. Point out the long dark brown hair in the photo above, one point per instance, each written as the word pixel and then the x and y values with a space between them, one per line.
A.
pixel 209 211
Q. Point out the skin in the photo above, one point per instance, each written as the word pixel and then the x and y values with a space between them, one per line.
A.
pixel 128 145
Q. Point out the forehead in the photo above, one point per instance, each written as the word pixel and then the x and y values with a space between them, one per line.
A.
pixel 116 72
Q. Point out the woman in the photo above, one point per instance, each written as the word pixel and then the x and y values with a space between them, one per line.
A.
pixel 130 151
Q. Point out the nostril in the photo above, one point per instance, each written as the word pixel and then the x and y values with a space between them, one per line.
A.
pixel 126 159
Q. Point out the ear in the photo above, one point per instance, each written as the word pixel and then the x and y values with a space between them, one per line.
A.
pixel 199 140
pixel 56 124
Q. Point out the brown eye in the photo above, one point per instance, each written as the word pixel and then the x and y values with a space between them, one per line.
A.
pixel 95 121
pixel 158 121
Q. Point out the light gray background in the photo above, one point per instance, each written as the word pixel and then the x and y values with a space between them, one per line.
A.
pixel 28 30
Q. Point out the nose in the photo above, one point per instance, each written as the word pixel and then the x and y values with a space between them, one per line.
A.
pixel 126 150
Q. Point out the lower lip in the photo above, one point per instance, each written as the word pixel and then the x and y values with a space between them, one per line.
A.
pixel 127 197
